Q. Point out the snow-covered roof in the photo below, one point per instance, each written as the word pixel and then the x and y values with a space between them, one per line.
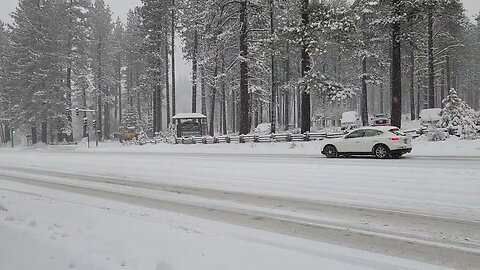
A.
pixel 189 116
pixel 433 114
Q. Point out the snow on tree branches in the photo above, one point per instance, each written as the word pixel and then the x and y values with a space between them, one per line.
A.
pixel 457 114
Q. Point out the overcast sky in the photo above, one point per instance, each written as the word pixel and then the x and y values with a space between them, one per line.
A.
pixel 118 7
pixel 121 7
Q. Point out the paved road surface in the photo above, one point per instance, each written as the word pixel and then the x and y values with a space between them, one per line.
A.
pixel 421 208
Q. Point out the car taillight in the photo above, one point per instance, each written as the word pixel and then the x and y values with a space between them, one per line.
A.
pixel 395 139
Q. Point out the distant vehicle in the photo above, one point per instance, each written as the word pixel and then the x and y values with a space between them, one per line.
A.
pixel 381 142
pixel 430 117
pixel 380 120
pixel 350 120
pixel 263 129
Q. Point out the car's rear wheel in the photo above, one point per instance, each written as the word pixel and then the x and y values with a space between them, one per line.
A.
pixel 381 151
pixel 330 151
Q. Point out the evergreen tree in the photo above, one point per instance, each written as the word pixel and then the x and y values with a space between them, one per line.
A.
pixel 34 71
pixel 101 64
pixel 457 114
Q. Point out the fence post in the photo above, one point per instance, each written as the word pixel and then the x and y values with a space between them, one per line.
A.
pixel 255 138
pixel 204 140
pixel 289 137
pixel 307 136
pixel 241 139
pixel 227 140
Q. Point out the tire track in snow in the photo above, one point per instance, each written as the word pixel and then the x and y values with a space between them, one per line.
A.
pixel 343 230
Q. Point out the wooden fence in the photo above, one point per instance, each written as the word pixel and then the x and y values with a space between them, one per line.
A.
pixel 258 138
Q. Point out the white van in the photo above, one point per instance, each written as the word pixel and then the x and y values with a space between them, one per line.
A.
pixel 430 117
pixel 350 120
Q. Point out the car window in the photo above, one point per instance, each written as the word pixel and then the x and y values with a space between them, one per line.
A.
pixel 397 132
pixel 355 134
pixel 372 133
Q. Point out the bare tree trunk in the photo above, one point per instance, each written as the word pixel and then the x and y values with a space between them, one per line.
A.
pixel 448 72
pixel 173 62
pixel 396 73
pixel 245 124
pixel 273 113
pixel 211 128
pixel 158 105
pixel 106 129
pixel 119 92
pixel 84 100
pixel 287 94
pixel 431 71
pixel 99 131
pixel 364 100
pixel 412 83
pixel 234 111
pixel 194 73
pixel 99 134
pixel 442 88
pixel 306 61
pixel 34 135
pixel 203 91
pixel 44 133
pixel 167 82
pixel 69 100
pixel 155 110
pixel 224 99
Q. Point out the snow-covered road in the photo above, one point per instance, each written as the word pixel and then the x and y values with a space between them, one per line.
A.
pixel 417 208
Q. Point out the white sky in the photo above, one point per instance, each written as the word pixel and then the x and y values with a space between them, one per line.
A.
pixel 121 7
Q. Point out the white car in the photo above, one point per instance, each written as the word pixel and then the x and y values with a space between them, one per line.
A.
pixel 381 142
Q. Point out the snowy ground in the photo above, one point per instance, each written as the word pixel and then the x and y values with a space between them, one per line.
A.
pixel 45 229
pixel 262 206
pixel 452 147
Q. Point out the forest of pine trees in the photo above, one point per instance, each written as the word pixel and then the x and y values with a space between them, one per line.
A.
pixel 292 63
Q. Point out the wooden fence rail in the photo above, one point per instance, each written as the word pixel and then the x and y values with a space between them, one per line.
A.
pixel 288 137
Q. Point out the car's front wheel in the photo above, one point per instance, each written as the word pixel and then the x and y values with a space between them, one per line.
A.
pixel 330 151
pixel 381 151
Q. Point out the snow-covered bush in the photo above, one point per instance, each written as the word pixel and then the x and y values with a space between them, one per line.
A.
pixel 457 115
pixel 434 134
pixel 142 138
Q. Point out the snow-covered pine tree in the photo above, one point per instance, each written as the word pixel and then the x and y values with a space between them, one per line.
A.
pixel 458 114
pixel 76 26
pixel 155 17
pixel 118 63
pixel 4 103
pixel 131 120
pixel 35 81
pixel 101 63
